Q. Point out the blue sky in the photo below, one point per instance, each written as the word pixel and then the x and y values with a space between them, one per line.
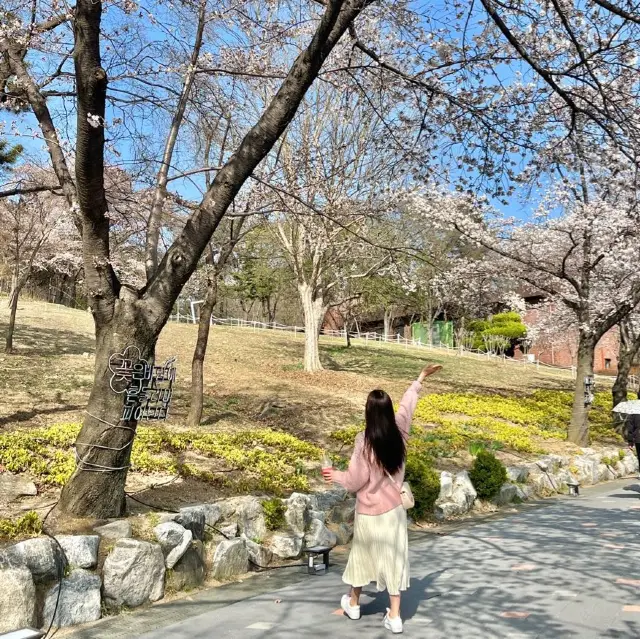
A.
pixel 189 188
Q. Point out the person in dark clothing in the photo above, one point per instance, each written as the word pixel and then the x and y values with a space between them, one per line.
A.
pixel 633 434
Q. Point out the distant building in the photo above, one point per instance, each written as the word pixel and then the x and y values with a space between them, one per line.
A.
pixel 373 323
pixel 563 351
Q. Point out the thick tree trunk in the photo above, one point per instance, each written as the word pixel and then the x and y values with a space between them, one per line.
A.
pixel 313 309
pixel 579 427
pixel 388 323
pixel 96 489
pixel 13 306
pixel 627 353
pixel 271 310
pixel 197 363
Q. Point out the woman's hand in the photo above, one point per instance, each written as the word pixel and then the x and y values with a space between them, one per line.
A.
pixel 431 369
pixel 327 473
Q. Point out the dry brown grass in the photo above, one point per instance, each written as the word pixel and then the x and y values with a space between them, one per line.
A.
pixel 250 377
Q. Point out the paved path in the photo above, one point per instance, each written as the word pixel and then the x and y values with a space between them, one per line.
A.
pixel 568 568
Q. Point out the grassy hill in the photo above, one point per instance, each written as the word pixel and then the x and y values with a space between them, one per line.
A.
pixel 265 420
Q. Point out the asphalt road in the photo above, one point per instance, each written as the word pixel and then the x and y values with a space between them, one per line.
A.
pixel 569 568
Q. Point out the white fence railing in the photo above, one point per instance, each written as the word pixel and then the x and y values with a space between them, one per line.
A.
pixel 397 340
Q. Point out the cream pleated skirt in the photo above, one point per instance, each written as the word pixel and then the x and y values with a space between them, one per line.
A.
pixel 379 552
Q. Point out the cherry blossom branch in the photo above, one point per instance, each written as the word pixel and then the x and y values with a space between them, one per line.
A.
pixel 619 11
pixel 159 195
pixel 25 190
pixel 181 259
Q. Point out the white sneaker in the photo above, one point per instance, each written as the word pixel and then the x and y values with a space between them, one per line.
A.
pixel 353 612
pixel 393 623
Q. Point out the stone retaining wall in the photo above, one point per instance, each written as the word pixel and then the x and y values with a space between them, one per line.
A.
pixel 228 538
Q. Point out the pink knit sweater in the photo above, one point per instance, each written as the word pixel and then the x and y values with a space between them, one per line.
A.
pixel 375 494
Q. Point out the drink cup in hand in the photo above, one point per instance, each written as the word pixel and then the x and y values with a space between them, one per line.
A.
pixel 327 468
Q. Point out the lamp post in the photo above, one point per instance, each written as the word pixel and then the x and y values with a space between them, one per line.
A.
pixel 589 390
pixel 315 553
pixel 574 488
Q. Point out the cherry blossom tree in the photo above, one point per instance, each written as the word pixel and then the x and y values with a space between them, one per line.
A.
pixel 324 189
pixel 554 328
pixel 102 92
pixel 629 336
pixel 129 315
pixel 581 247
pixel 218 258
pixel 26 229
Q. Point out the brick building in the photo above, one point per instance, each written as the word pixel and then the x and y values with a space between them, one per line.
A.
pixel 563 351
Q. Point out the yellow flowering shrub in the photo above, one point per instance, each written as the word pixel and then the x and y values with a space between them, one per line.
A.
pixel 267 460
pixel 448 422
pixel 28 525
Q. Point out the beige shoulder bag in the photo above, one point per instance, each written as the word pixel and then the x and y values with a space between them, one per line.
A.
pixel 405 493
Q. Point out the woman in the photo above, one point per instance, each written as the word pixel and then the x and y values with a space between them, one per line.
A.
pixel 632 434
pixel 380 550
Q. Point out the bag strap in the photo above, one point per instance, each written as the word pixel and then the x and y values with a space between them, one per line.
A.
pixel 393 481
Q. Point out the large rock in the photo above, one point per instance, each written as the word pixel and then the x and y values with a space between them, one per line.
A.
pixel 212 515
pixel 133 574
pixel 247 513
pixel 551 463
pixel 630 463
pixel 169 535
pixel 587 470
pixel 448 509
pixel 14 486
pixel 81 550
pixel 344 512
pixel 461 499
pixel 174 540
pixel 563 478
pixel 319 535
pixel 189 571
pixel 327 499
pixel 463 491
pixel 17 599
pixel 251 521
pixel 320 515
pixel 259 555
pixel 605 473
pixel 79 600
pixel 344 534
pixel 297 513
pixel 618 469
pixel 285 546
pixel 542 484
pixel 178 552
pixel 115 530
pixel 231 559
pixel 42 556
pixel 193 518
pixel 507 494
pixel 228 531
pixel 517 474
pixel 446 486
pixel 525 492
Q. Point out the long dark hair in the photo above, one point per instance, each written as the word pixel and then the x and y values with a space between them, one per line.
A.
pixel 382 436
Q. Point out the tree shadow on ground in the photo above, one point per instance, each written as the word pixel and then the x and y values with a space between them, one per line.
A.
pixel 458 374
pixel 540 573
pixel 27 415
pixel 29 340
